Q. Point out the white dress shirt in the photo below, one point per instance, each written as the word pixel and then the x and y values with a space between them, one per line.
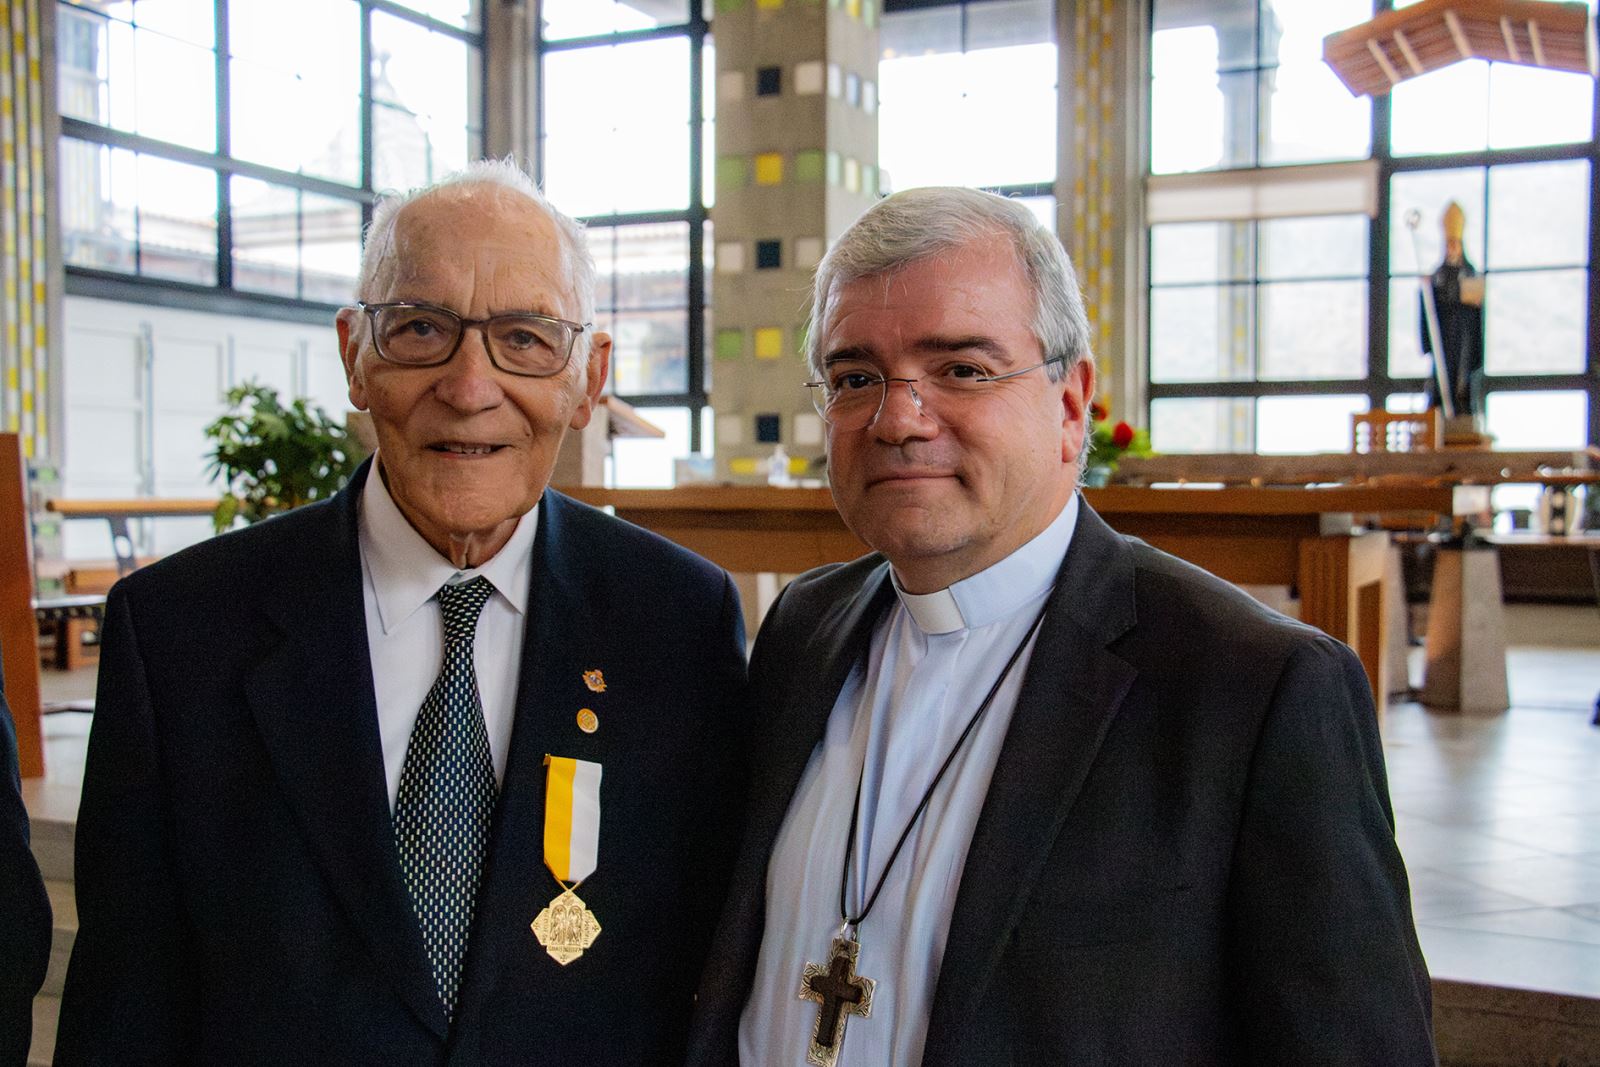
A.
pixel 929 665
pixel 401 573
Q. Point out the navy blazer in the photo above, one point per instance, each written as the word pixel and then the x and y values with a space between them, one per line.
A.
pixel 239 893
pixel 1186 855
pixel 25 926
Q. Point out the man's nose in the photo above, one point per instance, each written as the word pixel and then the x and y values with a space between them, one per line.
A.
pixel 903 413
pixel 470 382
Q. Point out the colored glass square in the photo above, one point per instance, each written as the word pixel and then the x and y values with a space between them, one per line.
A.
pixel 869 13
pixel 833 168
pixel 770 5
pixel 769 168
pixel 769 342
pixel 732 171
pixel 810 77
pixel 852 175
pixel 730 344
pixel 743 465
pixel 809 166
pixel 769 81
pixel 853 8
pixel 869 179
pixel 725 7
pixel 769 255
pixel 769 428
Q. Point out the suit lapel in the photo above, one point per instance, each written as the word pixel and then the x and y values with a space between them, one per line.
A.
pixel 318 719
pixel 557 645
pixel 1069 697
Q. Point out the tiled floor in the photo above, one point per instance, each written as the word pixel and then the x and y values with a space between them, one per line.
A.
pixel 1498 818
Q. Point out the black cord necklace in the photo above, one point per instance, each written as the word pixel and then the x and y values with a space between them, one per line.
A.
pixel 835 987
pixel 927 795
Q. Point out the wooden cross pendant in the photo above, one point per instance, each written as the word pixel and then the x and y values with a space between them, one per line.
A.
pixel 840 994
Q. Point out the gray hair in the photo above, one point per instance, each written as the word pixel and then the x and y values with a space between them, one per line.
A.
pixel 505 175
pixel 918 223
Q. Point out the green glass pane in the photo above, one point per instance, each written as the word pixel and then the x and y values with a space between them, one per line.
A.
pixel 726 6
pixel 732 171
pixel 809 165
pixel 833 168
pixel 869 179
pixel 730 344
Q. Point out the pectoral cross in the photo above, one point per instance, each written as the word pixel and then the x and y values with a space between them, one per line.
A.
pixel 840 994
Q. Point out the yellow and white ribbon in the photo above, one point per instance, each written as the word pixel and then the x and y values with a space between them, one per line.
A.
pixel 571 818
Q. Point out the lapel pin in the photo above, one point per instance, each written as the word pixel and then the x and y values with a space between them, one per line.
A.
pixel 595 680
pixel 588 721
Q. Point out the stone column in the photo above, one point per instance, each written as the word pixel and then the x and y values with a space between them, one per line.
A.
pixel 796 163
pixel 30 267
pixel 1099 183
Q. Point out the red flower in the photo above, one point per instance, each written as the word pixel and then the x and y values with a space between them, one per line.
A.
pixel 1122 435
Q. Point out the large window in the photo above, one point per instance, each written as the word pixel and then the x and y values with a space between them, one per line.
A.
pixel 237 145
pixel 968 95
pixel 1266 331
pixel 625 129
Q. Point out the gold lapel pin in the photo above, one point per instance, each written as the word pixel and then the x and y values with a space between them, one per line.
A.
pixel 595 680
pixel 588 721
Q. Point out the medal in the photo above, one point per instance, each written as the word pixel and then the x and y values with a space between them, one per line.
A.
pixel 566 927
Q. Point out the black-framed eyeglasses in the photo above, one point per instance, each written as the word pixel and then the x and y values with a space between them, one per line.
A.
pixel 523 343
pixel 851 396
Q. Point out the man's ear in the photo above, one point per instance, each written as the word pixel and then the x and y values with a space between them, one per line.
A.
pixel 1076 394
pixel 348 325
pixel 599 365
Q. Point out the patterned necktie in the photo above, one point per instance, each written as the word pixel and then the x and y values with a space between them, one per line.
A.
pixel 447 794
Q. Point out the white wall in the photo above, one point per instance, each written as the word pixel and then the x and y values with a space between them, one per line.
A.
pixel 142 382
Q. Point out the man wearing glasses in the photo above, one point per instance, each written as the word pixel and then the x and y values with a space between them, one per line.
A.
pixel 445 769
pixel 1025 791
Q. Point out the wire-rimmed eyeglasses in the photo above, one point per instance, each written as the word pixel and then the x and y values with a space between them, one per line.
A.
pixel 523 343
pixel 851 396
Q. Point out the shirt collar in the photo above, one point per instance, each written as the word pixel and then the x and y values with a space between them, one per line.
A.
pixel 999 590
pixel 405 571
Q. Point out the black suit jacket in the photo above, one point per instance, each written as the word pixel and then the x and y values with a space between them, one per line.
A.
pixel 24 908
pixel 1186 854
pixel 239 894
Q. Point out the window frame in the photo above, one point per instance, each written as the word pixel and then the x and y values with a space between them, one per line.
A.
pixel 697 28
pixel 223 297
pixel 1378 383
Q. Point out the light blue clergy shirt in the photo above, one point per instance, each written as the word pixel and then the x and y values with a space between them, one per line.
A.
pixel 930 663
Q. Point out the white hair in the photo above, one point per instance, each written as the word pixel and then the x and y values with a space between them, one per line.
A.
pixel 504 174
pixel 916 224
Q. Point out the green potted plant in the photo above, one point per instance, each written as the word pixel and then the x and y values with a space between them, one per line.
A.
pixel 271 458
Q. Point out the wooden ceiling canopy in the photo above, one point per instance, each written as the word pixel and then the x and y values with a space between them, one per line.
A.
pixel 1375 56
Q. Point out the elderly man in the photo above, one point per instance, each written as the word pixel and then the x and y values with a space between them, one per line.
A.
pixel 349 767
pixel 25 929
pixel 1026 791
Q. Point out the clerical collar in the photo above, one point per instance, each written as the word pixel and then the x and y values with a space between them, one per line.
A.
pixel 999 590
pixel 405 571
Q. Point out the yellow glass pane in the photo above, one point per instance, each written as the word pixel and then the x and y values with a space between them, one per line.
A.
pixel 769 5
pixel 743 465
pixel 769 168
pixel 769 342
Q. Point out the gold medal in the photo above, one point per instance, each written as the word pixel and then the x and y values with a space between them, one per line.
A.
pixel 588 721
pixel 566 927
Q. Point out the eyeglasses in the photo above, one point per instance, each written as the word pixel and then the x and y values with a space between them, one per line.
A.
pixel 852 396
pixel 424 335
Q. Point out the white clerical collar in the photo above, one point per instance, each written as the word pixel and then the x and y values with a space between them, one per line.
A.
pixel 999 590
pixel 405 571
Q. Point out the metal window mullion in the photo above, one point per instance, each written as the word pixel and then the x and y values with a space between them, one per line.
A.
pixel 427 22
pixel 1593 375
pixel 222 51
pixel 365 51
pixel 696 280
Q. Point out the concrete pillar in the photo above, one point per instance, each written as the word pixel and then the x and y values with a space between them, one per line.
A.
pixel 1466 646
pixel 796 163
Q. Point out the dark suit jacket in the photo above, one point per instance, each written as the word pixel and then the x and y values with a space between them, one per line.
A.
pixel 24 908
pixel 239 894
pixel 1186 855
